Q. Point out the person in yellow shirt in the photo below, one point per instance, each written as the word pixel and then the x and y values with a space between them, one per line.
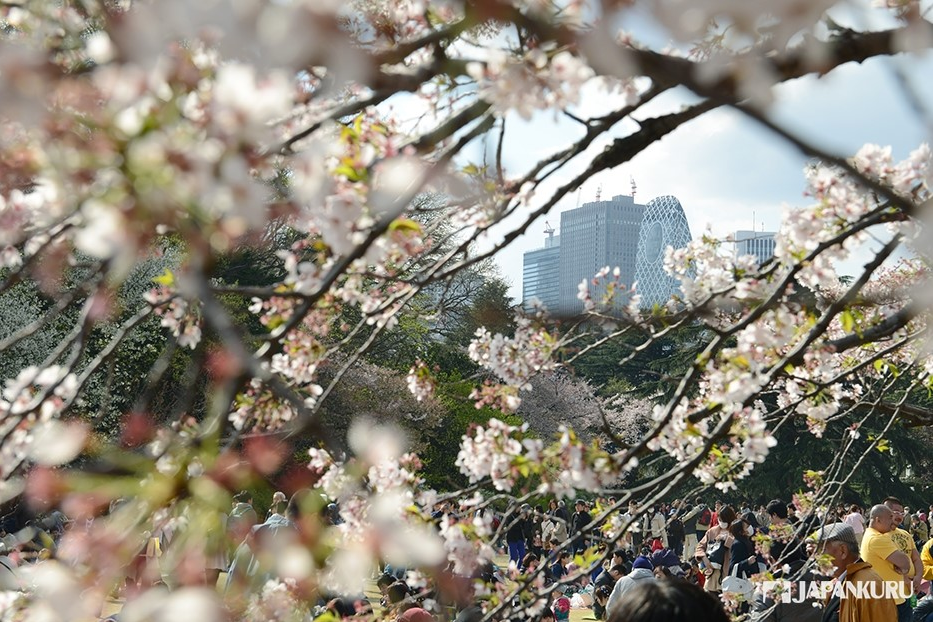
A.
pixel 879 550
pixel 838 541
pixel 926 558
pixel 905 542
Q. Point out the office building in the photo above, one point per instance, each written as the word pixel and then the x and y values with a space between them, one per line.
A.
pixel 539 273
pixel 757 243
pixel 615 233
pixel 592 236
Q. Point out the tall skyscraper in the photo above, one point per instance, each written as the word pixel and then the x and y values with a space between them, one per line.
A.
pixel 664 224
pixel 540 270
pixel 757 243
pixel 615 233
pixel 594 235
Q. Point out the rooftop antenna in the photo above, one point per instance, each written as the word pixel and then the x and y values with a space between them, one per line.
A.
pixel 634 187
pixel 599 192
pixel 579 192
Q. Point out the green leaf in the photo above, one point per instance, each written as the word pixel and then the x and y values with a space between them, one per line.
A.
pixel 848 322
pixel 405 225
pixel 166 279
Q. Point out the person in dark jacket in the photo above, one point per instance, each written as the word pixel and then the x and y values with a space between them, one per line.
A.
pixel 743 562
pixel 581 519
pixel 604 584
pixel 743 550
pixel 923 612
pixel 611 575
pixel 675 535
pixel 786 548
pixel 562 512
pixel 517 533
pixel 559 569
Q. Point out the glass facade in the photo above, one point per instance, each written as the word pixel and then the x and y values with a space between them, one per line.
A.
pixel 595 235
pixel 539 277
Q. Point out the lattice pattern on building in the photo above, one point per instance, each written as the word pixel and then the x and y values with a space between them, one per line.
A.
pixel 664 224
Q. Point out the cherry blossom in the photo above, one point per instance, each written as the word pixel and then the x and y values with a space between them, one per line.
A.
pixel 491 451
pixel 517 358
pixel 536 82
pixel 303 133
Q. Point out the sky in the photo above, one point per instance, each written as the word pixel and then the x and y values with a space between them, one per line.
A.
pixel 728 172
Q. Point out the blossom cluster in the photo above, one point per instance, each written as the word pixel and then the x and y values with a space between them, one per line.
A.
pixel 226 126
pixel 776 347
pixel 612 293
pixel 30 405
pixel 177 315
pixel 420 382
pixel 276 601
pixel 514 359
pixel 535 82
pixel 495 451
pixel 258 406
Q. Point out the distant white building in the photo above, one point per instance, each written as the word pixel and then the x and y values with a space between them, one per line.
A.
pixel 757 243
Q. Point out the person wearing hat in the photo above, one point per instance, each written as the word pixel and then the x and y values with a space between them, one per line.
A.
pixel 642 570
pixel 859 603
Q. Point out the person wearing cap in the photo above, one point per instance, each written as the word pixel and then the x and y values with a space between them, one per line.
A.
pixel 859 603
pixel 642 570
pixel 879 550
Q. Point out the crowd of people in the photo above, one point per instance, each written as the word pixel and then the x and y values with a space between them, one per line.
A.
pixel 686 557
pixel 719 548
